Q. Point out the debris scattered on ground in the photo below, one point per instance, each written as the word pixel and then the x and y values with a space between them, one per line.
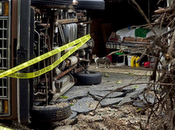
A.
pixel 121 118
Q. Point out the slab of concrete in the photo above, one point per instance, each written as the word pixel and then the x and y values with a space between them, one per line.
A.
pixel 87 96
pixel 84 105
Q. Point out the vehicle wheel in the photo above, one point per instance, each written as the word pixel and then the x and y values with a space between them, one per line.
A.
pixel 51 113
pixel 50 3
pixel 90 78
pixel 91 4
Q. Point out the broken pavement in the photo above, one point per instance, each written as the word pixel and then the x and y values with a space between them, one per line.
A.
pixel 84 98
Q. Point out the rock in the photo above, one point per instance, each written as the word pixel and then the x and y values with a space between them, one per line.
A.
pixel 92 113
pixel 73 115
pixel 69 127
pixel 124 116
pixel 141 101
pixel 138 103
pixel 150 98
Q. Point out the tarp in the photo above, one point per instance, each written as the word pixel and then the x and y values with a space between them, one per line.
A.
pixel 138 32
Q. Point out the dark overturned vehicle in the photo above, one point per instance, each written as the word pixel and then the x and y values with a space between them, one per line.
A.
pixel 31 31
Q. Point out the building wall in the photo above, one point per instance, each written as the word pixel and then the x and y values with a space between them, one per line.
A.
pixel 96 34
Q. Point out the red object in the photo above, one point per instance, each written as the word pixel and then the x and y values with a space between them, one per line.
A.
pixel 147 64
pixel 110 57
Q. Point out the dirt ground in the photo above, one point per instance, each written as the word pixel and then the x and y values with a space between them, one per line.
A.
pixel 122 118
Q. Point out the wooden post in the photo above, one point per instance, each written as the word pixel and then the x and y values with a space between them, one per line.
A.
pixel 149 17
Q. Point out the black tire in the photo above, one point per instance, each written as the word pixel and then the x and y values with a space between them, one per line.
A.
pixel 50 113
pixel 91 4
pixel 51 3
pixel 82 4
pixel 90 78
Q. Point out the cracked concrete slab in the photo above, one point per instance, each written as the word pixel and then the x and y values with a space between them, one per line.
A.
pixel 131 97
pixel 138 103
pixel 76 92
pixel 87 96
pixel 84 105
pixel 110 101
pixel 150 98
pixel 98 94
pixel 142 101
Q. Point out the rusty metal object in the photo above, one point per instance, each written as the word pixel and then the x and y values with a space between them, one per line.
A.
pixel 72 60
pixel 63 73
pixel 79 69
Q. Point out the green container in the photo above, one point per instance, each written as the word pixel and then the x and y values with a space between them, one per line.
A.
pixel 119 53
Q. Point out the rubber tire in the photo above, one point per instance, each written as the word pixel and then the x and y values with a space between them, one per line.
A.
pixel 91 4
pixel 50 113
pixel 50 3
pixel 82 4
pixel 92 77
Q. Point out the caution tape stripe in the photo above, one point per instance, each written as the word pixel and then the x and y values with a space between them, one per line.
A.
pixel 11 72
pixel 4 128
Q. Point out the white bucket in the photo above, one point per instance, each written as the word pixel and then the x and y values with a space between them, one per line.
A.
pixel 129 60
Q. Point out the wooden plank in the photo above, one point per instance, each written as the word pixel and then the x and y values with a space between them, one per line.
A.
pixel 135 39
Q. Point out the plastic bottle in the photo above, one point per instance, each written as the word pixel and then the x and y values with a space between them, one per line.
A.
pixel 137 64
pixel 133 61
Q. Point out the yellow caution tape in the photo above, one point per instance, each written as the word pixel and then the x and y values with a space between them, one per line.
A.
pixel 4 128
pixel 11 72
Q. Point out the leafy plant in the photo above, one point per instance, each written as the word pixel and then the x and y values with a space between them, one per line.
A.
pixel 118 82
pixel 138 109
pixel 136 87
pixel 63 97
